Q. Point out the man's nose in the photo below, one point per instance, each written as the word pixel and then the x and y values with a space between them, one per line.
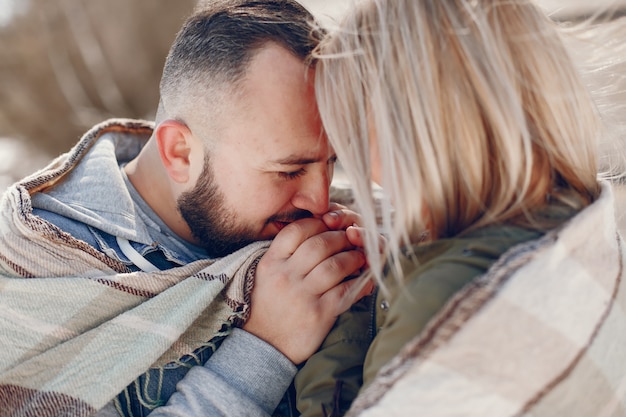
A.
pixel 313 193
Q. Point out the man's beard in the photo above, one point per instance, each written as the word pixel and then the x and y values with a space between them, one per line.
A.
pixel 212 224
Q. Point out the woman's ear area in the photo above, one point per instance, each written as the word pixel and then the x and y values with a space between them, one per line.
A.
pixel 175 143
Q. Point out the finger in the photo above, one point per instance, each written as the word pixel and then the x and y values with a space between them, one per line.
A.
pixel 341 219
pixel 356 236
pixel 333 270
pixel 288 240
pixel 365 289
pixel 321 246
pixel 317 249
pixel 339 298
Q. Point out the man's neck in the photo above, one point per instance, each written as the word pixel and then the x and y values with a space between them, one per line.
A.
pixel 147 175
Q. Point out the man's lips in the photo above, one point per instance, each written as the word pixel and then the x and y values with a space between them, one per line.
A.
pixel 280 224
pixel 280 221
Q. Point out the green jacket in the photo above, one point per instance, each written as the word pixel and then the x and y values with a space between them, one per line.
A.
pixel 538 332
pixel 375 329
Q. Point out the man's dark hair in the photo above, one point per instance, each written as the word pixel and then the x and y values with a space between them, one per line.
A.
pixel 221 37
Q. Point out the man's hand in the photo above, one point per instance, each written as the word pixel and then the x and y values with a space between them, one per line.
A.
pixel 298 291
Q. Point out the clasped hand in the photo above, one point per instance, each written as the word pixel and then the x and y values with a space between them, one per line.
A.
pixel 300 285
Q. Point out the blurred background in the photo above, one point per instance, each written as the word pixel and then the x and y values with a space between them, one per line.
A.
pixel 68 64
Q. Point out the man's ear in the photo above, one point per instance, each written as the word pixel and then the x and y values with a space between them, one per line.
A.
pixel 174 140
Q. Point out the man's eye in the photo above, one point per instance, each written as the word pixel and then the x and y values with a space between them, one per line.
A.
pixel 292 175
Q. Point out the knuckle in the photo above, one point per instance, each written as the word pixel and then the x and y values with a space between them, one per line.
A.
pixel 337 264
pixel 268 270
pixel 297 227
pixel 293 229
pixel 333 266
pixel 320 243
pixel 302 227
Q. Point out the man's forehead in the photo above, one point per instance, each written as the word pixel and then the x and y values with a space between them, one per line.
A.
pixel 290 150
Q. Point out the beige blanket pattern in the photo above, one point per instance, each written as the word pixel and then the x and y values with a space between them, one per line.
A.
pixel 77 327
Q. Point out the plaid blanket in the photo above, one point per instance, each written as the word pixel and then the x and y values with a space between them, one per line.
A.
pixel 77 327
pixel 542 333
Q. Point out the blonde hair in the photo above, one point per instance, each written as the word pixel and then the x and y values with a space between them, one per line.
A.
pixel 475 106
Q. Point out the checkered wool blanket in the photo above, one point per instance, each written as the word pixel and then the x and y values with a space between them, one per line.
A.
pixel 542 334
pixel 76 327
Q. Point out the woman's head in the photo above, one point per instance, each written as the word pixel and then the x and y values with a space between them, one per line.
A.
pixel 471 110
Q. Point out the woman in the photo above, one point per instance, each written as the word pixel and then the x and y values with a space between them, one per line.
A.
pixel 502 290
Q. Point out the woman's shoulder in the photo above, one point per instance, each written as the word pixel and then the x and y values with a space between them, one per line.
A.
pixel 469 254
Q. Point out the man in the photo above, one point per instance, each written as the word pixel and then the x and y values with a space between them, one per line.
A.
pixel 148 234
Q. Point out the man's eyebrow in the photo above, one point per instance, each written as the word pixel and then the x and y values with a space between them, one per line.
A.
pixel 297 160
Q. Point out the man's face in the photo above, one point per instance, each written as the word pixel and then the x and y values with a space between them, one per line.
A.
pixel 272 163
